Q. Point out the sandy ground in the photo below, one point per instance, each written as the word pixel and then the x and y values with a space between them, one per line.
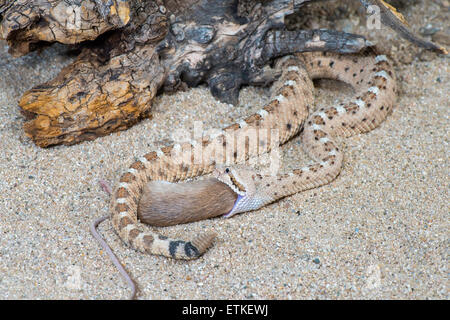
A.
pixel 380 230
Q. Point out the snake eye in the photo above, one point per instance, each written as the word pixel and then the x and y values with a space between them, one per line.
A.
pixel 227 170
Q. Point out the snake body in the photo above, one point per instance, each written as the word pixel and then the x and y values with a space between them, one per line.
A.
pixel 289 110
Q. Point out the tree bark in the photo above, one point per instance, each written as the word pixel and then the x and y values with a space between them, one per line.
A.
pixel 130 50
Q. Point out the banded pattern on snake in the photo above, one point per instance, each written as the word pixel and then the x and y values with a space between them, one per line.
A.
pixel 289 111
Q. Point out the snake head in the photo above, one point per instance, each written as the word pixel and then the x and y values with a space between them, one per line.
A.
pixel 238 178
pixel 244 181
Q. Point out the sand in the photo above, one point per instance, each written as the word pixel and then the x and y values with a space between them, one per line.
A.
pixel 379 231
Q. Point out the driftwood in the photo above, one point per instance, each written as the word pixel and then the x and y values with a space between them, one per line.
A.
pixel 130 50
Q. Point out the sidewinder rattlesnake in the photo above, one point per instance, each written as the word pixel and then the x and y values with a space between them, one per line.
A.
pixel 288 110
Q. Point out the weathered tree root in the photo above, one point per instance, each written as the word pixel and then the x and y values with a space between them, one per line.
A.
pixel 111 84
pixel 393 19
pixel 25 24
pixel 89 99
pixel 141 47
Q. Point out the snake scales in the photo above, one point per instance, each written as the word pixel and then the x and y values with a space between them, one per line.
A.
pixel 289 111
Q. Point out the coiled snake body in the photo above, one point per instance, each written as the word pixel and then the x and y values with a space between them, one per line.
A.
pixel 288 111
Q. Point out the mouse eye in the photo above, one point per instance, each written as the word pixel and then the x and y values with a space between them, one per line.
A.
pixel 227 170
